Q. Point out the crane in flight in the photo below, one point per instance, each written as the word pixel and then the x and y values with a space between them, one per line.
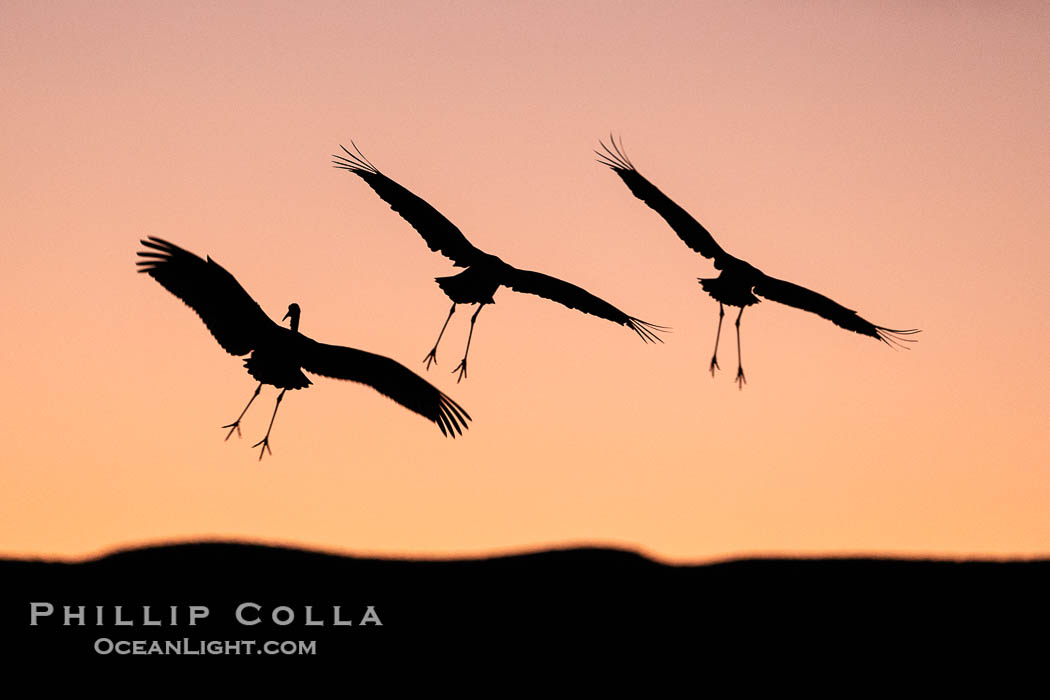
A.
pixel 739 281
pixel 279 355
pixel 485 273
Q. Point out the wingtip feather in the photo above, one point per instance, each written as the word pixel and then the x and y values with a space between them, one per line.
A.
pixel 647 331
pixel 894 337
pixel 354 162
pixel 451 418
pixel 615 157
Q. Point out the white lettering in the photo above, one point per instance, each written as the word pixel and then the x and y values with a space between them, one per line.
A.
pixel 289 615
pixel 310 621
pixel 240 615
pixel 69 616
pixel 146 618
pixel 370 616
pixel 119 621
pixel 198 612
pixel 39 610
pixel 338 621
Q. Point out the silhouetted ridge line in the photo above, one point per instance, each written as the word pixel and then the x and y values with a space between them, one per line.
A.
pixel 596 554
pixel 233 549
pixel 485 273
pixel 279 355
pixel 739 281
pixel 551 597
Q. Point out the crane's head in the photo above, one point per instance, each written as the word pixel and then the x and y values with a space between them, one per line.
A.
pixel 293 313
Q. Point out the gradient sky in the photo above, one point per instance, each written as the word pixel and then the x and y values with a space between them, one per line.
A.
pixel 893 156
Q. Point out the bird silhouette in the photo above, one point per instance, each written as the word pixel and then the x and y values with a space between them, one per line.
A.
pixel 485 273
pixel 739 281
pixel 279 355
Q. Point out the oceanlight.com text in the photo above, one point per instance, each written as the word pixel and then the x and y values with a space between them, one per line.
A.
pixel 200 647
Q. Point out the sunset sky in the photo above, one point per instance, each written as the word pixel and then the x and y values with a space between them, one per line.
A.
pixel 892 156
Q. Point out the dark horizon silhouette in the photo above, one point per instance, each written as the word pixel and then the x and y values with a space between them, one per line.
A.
pixel 739 281
pixel 485 273
pixel 279 355
pixel 550 597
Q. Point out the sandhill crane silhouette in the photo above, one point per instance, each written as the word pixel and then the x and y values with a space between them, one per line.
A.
pixel 739 281
pixel 485 273
pixel 279 355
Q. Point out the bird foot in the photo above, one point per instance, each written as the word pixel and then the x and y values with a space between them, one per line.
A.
pixel 740 379
pixel 265 442
pixel 462 369
pixel 431 357
pixel 236 425
pixel 714 365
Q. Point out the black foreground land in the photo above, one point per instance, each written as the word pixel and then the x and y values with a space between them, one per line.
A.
pixel 557 599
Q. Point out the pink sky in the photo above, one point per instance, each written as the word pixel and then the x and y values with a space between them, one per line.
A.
pixel 893 157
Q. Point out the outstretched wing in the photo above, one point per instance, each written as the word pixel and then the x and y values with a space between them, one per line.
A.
pixel 576 298
pixel 692 233
pixel 389 378
pixel 439 233
pixel 808 300
pixel 229 312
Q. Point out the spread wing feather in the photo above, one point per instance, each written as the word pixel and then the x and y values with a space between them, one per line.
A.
pixel 438 232
pixel 577 298
pixel 692 233
pixel 233 317
pixel 388 377
pixel 806 299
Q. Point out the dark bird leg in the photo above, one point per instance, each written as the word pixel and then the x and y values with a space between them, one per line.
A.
pixel 265 442
pixel 432 355
pixel 714 357
pixel 740 380
pixel 236 425
pixel 462 369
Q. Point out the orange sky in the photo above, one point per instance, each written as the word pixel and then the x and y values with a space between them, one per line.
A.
pixel 893 157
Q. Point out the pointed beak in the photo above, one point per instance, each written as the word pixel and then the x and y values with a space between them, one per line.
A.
pixel 287 314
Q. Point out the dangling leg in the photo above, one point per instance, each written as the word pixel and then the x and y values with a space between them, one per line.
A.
pixel 462 369
pixel 432 355
pixel 236 425
pixel 265 442
pixel 740 380
pixel 714 357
